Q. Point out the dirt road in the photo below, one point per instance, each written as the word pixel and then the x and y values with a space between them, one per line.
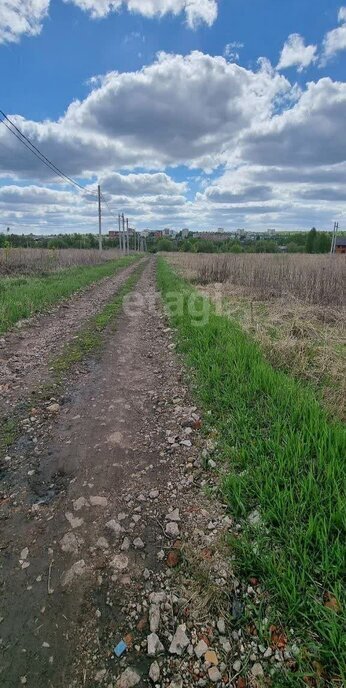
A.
pixel 25 352
pixel 106 534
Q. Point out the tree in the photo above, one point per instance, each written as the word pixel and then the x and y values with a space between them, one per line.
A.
pixel 311 241
pixel 322 243
pixel 164 245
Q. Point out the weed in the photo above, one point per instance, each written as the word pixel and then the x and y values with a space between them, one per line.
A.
pixel 283 458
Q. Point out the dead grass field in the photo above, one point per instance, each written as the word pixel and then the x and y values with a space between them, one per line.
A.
pixel 34 261
pixel 292 305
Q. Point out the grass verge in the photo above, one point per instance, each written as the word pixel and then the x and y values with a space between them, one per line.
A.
pixel 284 459
pixel 22 297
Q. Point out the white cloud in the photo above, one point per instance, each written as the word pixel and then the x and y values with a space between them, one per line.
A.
pixel 231 51
pixel 142 184
pixel 25 17
pixel 21 17
pixel 310 133
pixel 296 54
pixel 188 110
pixel 342 14
pixel 196 10
pixel 335 40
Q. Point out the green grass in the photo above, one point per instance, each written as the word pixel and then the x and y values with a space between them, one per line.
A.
pixel 282 457
pixel 24 296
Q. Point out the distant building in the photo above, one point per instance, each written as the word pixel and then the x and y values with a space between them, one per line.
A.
pixel 271 232
pixel 185 233
pixel 340 245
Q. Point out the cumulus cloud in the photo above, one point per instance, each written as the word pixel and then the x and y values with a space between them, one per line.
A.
pixel 310 133
pixel 195 10
pixel 242 194
pixel 142 184
pixel 335 40
pixel 25 17
pixel 179 110
pixel 296 54
pixel 21 17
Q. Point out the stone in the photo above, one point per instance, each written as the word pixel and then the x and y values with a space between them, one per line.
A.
pixel 154 618
pixel 173 558
pixel 180 641
pixel 254 518
pixel 237 666
pixel 120 562
pixel 157 597
pixel 268 653
pixel 53 408
pixel 155 646
pixel 128 679
pixel 172 529
pixel 102 543
pixel 80 503
pixel 125 544
pixel 99 676
pixel 24 553
pixel 257 670
pixel 153 494
pixel 78 569
pixel 201 648
pixel 176 683
pixel 114 526
pixel 214 674
pixel 173 515
pixel 221 626
pixel 69 543
pixel 74 521
pixel 211 657
pixel 98 501
pixel 138 543
pixel 154 672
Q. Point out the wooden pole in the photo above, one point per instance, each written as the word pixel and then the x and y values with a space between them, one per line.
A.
pixel 100 218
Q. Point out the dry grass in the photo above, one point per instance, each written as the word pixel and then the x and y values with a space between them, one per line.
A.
pixel 317 279
pixel 297 335
pixel 34 261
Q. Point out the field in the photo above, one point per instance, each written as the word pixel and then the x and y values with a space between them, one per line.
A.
pixel 33 280
pixel 293 306
pixel 28 261
pixel 280 456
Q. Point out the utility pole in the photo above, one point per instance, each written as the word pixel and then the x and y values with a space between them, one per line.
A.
pixel 119 225
pixel 100 218
pixel 123 232
pixel 335 231
pixel 127 235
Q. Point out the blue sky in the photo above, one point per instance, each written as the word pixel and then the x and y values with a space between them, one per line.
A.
pixel 173 113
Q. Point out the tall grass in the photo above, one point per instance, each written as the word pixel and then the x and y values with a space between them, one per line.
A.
pixel 316 279
pixel 22 297
pixel 284 459
pixel 34 261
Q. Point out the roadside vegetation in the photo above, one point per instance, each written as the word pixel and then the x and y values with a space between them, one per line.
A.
pixel 40 261
pixel 293 307
pixel 23 296
pixel 281 463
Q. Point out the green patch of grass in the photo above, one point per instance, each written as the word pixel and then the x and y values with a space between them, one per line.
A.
pixel 90 337
pixel 283 457
pixel 8 433
pixel 23 297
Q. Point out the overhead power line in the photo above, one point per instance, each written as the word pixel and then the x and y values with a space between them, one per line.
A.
pixel 38 154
